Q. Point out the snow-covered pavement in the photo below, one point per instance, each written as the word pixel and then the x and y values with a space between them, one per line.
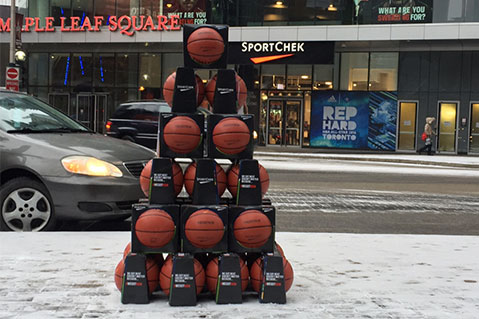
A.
pixel 70 275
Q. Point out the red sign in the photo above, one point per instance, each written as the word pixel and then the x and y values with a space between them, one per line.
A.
pixel 12 79
pixel 125 24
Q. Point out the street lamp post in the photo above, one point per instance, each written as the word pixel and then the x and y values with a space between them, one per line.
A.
pixel 12 31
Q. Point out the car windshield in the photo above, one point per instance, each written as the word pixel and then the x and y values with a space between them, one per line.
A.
pixel 25 114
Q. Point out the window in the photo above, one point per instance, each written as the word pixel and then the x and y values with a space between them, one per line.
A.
pixel 273 77
pixel 383 71
pixel 150 70
pixel 37 68
pixel 60 69
pixel 299 77
pixel 105 8
pixel 170 62
pixel 60 8
pixel 354 71
pixel 126 70
pixel 323 77
pixel 81 69
pixel 104 69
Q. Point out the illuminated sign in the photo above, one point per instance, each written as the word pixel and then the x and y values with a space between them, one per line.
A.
pixel 125 24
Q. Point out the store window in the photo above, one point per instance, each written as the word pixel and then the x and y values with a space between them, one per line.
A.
pixel 60 68
pixel 104 70
pixel 105 8
pixel 37 68
pixel 82 9
pixel 126 67
pixel 307 119
pixel 383 71
pixel 474 126
pixel 456 11
pixel 150 70
pixel 39 9
pixel 323 76
pixel 81 69
pixel 59 9
pixel 299 77
pixel 354 71
pixel 127 7
pixel 171 61
pixel 273 76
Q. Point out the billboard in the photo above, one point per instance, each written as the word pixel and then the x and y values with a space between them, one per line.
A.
pixel 188 11
pixel 393 11
pixel 354 120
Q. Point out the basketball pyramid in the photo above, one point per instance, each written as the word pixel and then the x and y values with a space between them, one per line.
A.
pixel 221 223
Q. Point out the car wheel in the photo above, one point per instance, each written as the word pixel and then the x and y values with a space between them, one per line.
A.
pixel 128 138
pixel 26 205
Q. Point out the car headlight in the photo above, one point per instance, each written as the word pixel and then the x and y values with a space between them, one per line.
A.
pixel 90 166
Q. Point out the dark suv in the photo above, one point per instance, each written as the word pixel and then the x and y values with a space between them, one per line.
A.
pixel 137 121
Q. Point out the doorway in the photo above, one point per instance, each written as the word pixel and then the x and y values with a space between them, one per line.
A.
pixel 474 129
pixel 407 126
pixel 92 111
pixel 60 101
pixel 447 127
pixel 284 122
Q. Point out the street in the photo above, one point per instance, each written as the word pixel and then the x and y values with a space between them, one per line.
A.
pixel 325 195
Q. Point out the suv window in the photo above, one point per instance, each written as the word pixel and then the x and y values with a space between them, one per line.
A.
pixel 141 111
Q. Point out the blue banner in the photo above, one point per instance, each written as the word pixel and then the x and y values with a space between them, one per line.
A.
pixel 339 119
pixel 353 119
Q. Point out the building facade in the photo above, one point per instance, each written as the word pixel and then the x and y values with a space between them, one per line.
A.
pixel 322 74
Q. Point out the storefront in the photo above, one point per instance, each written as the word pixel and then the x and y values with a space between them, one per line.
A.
pixel 306 65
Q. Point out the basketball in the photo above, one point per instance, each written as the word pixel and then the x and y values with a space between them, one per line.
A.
pixel 241 91
pixel 256 274
pixel 169 89
pixel 152 271
pixel 204 228
pixel 190 174
pixel 155 228
pixel 205 45
pixel 182 135
pixel 280 250
pixel 231 135
pixel 233 179
pixel 167 269
pixel 146 173
pixel 127 250
pixel 252 229
pixel 212 275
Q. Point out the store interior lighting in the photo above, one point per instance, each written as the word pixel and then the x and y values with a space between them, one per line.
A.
pixel 332 8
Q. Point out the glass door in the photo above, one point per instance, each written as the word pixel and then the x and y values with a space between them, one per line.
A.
pixel 407 126
pixel 85 113
pixel 101 112
pixel 60 101
pixel 474 129
pixel 275 122
pixel 284 122
pixel 447 127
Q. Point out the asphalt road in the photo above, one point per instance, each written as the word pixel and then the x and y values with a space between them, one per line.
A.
pixel 363 202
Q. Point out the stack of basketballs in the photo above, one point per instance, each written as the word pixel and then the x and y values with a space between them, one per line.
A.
pixel 208 224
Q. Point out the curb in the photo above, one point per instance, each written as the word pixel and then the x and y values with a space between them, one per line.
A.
pixel 366 159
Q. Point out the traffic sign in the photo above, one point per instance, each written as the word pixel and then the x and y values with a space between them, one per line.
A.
pixel 12 78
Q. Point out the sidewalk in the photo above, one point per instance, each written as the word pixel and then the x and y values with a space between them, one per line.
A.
pixel 70 275
pixel 466 161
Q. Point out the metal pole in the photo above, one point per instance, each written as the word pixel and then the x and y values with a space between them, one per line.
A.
pixel 13 30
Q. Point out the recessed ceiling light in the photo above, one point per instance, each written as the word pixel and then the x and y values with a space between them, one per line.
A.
pixel 279 3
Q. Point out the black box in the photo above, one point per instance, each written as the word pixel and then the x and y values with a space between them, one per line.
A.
pixel 172 246
pixel 165 150
pixel 162 189
pixel 187 246
pixel 183 281
pixel 213 152
pixel 225 95
pixel 234 245
pixel 221 63
pixel 184 93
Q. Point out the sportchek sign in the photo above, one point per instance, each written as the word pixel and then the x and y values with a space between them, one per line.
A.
pixel 127 25
pixel 281 52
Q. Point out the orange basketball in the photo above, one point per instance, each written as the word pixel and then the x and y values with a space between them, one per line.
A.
pixel 146 173
pixel 204 228
pixel 212 275
pixel 182 135
pixel 127 250
pixel 231 136
pixel 233 179
pixel 280 250
pixel 169 89
pixel 256 274
pixel 241 91
pixel 205 45
pixel 190 174
pixel 155 228
pixel 167 269
pixel 252 228
pixel 152 271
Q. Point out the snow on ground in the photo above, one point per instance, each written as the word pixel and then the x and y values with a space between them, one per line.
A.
pixel 70 275
pixel 466 160
pixel 330 165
